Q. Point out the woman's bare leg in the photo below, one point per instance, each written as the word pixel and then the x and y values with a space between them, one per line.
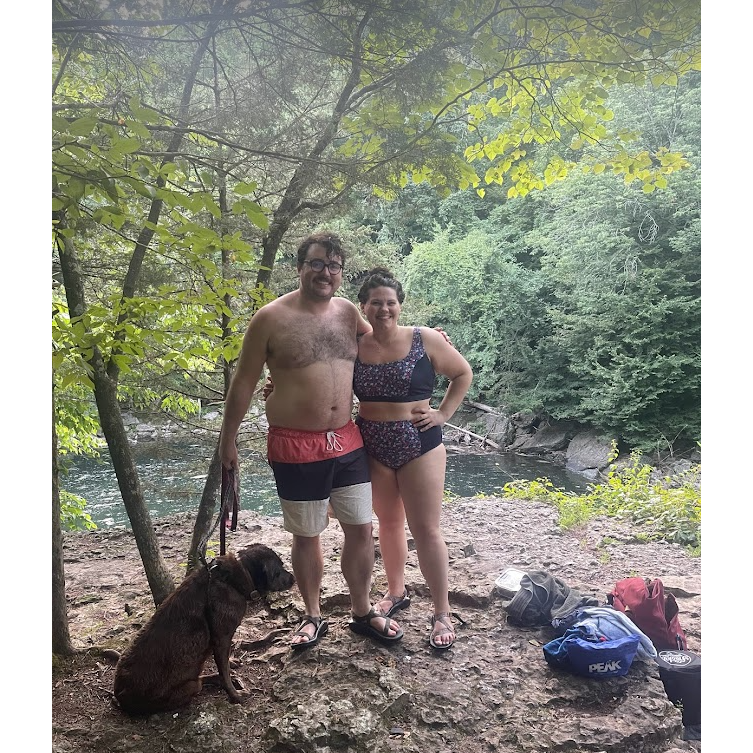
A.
pixel 393 543
pixel 421 485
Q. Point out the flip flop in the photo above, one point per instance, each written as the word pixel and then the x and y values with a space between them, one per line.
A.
pixel 443 618
pixel 321 625
pixel 363 626
pixel 398 602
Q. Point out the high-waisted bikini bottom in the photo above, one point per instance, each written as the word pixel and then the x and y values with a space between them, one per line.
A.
pixel 395 443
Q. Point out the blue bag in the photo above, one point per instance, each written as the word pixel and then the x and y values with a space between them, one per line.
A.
pixel 589 658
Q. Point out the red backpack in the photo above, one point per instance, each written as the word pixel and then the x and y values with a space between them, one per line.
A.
pixel 644 602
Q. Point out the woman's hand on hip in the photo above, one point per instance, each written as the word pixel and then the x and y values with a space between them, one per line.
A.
pixel 424 418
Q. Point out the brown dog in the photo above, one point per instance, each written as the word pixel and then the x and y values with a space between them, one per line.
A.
pixel 161 669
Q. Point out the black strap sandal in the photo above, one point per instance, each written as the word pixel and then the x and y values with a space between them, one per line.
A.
pixel 363 626
pixel 398 603
pixel 321 627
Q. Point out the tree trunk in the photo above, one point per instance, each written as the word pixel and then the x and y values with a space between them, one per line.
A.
pixel 61 637
pixel 205 513
pixel 105 394
pixel 203 523
pixel 106 397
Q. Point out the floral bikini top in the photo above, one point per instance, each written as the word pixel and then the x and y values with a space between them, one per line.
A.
pixel 403 381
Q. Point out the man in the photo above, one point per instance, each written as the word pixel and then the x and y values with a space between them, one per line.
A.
pixel 307 338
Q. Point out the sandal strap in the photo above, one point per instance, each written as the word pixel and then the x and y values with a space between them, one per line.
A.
pixel 309 620
pixel 366 617
pixel 372 613
pixel 444 619
pixel 395 599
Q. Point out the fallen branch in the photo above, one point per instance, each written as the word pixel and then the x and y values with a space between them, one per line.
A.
pixel 484 440
pixel 260 643
pixel 485 408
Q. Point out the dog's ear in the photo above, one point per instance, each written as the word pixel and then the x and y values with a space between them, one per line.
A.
pixel 253 562
pixel 219 569
pixel 257 560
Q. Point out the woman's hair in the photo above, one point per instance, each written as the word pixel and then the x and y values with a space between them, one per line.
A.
pixel 380 277
pixel 331 242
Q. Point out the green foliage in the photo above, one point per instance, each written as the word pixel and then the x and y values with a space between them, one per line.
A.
pixel 567 299
pixel 73 515
pixel 528 78
pixel 169 333
pixel 449 497
pixel 666 511
pixel 76 421
pixel 487 302
pixel 582 301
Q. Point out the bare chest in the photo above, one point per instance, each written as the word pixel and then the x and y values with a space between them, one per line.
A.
pixel 303 340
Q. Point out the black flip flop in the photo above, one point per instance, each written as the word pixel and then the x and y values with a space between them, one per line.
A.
pixel 363 626
pixel 321 625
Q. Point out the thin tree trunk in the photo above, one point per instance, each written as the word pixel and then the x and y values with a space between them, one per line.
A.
pixel 205 515
pixel 106 397
pixel 61 637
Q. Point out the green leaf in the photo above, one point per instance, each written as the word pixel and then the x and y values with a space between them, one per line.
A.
pixel 82 126
pixel 244 188
pixel 125 146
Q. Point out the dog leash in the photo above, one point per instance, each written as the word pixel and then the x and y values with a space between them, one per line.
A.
pixel 229 503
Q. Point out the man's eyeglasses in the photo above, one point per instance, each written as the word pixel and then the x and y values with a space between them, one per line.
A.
pixel 318 265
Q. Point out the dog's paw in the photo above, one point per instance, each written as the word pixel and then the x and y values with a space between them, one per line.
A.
pixel 238 696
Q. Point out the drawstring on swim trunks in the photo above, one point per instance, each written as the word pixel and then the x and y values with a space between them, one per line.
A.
pixel 333 442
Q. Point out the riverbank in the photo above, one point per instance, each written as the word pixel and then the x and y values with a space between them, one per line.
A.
pixel 492 691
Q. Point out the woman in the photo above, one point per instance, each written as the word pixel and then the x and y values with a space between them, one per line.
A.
pixel 394 380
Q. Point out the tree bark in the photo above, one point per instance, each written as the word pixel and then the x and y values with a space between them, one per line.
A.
pixel 61 637
pixel 205 513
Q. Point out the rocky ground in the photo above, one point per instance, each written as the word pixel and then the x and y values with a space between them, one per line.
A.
pixel 492 691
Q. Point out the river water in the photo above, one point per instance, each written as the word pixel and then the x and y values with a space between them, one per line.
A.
pixel 173 472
